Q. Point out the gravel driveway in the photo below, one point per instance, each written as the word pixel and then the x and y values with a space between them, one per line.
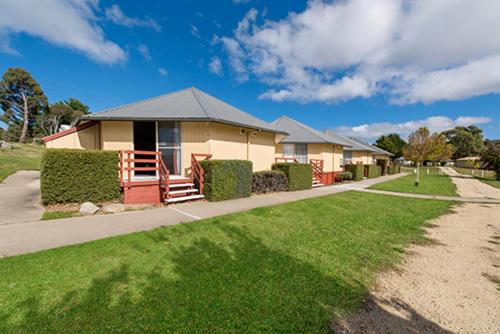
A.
pixel 446 287
pixel 20 198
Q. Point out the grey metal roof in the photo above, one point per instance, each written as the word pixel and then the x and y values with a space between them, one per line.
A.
pixel 189 104
pixel 359 145
pixel 301 133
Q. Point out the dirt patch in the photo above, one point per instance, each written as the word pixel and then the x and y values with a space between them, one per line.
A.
pixel 447 287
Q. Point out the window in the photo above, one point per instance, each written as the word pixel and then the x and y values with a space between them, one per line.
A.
pixel 297 151
pixel 347 157
pixel 169 144
pixel 288 150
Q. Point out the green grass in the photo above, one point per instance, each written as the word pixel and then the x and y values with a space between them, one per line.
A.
pixel 491 182
pixel 19 157
pixel 430 184
pixel 48 215
pixel 282 269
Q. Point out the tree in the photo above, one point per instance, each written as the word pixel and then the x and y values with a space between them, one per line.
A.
pixel 21 99
pixel 491 155
pixel 418 148
pixel 61 112
pixel 440 150
pixel 391 143
pixel 468 141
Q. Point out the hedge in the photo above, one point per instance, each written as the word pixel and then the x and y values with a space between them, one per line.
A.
pixel 345 176
pixel 69 176
pixel 227 179
pixel 299 175
pixel 373 171
pixel 384 165
pixel 357 171
pixel 269 181
pixel 394 169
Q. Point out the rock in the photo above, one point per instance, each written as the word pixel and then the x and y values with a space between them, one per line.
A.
pixel 113 208
pixel 88 208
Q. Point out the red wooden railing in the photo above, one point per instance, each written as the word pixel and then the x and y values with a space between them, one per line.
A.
pixel 317 168
pixel 197 172
pixel 128 162
pixel 285 159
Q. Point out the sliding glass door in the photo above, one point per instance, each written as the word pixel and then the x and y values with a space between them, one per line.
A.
pixel 169 144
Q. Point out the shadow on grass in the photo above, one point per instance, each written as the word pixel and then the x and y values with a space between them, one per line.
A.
pixel 206 287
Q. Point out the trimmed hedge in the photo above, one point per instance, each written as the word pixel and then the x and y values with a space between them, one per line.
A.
pixel 69 176
pixel 384 165
pixel 373 171
pixel 299 175
pixel 357 171
pixel 227 179
pixel 269 181
pixel 394 169
pixel 345 175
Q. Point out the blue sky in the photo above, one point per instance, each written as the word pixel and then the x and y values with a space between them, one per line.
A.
pixel 326 64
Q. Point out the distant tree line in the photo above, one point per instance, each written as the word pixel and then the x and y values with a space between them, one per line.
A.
pixel 26 112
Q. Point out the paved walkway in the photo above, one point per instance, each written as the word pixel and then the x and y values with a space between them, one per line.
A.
pixel 20 198
pixel 39 235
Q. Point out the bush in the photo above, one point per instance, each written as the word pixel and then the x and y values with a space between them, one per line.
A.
pixel 394 169
pixel 357 171
pixel 344 176
pixel 299 175
pixel 227 179
pixel 384 165
pixel 372 171
pixel 269 181
pixel 79 176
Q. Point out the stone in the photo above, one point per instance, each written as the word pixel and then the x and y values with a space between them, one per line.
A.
pixel 88 208
pixel 113 208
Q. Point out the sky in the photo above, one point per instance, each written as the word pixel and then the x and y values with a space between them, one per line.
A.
pixel 361 67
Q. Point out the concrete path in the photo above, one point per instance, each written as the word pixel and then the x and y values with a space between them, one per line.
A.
pixel 39 235
pixel 20 198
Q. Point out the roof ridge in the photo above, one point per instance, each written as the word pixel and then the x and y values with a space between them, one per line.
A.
pixel 193 90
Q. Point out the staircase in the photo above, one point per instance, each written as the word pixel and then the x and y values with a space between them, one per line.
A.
pixel 317 168
pixel 180 189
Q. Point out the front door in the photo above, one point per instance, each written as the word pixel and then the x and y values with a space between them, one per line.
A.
pixel 169 144
pixel 145 140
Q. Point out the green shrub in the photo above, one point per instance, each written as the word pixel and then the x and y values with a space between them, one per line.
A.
pixel 269 181
pixel 345 176
pixel 299 175
pixel 372 171
pixel 394 169
pixel 79 176
pixel 357 171
pixel 384 166
pixel 227 179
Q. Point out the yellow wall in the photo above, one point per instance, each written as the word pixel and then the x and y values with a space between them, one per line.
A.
pixel 330 154
pixel 226 142
pixel 261 151
pixel 380 156
pixel 338 155
pixel 117 135
pixel 364 157
pixel 195 138
pixel 84 139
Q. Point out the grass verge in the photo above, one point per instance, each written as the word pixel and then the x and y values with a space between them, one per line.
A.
pixel 430 184
pixel 287 269
pixel 48 215
pixel 19 157
pixel 485 176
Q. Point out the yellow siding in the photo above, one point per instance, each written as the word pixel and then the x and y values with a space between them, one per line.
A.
pixel 195 138
pixel 117 135
pixel 364 157
pixel 84 139
pixel 279 151
pixel 262 150
pixel 380 156
pixel 226 142
pixel 338 155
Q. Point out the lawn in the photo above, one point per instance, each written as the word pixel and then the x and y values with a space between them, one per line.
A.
pixel 430 184
pixel 19 157
pixel 283 269
pixel 491 182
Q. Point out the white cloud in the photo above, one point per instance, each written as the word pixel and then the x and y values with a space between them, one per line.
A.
pixel 71 24
pixel 163 72
pixel 215 66
pixel 194 31
pixel 116 15
pixel 240 1
pixel 144 51
pixel 411 51
pixel 435 124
